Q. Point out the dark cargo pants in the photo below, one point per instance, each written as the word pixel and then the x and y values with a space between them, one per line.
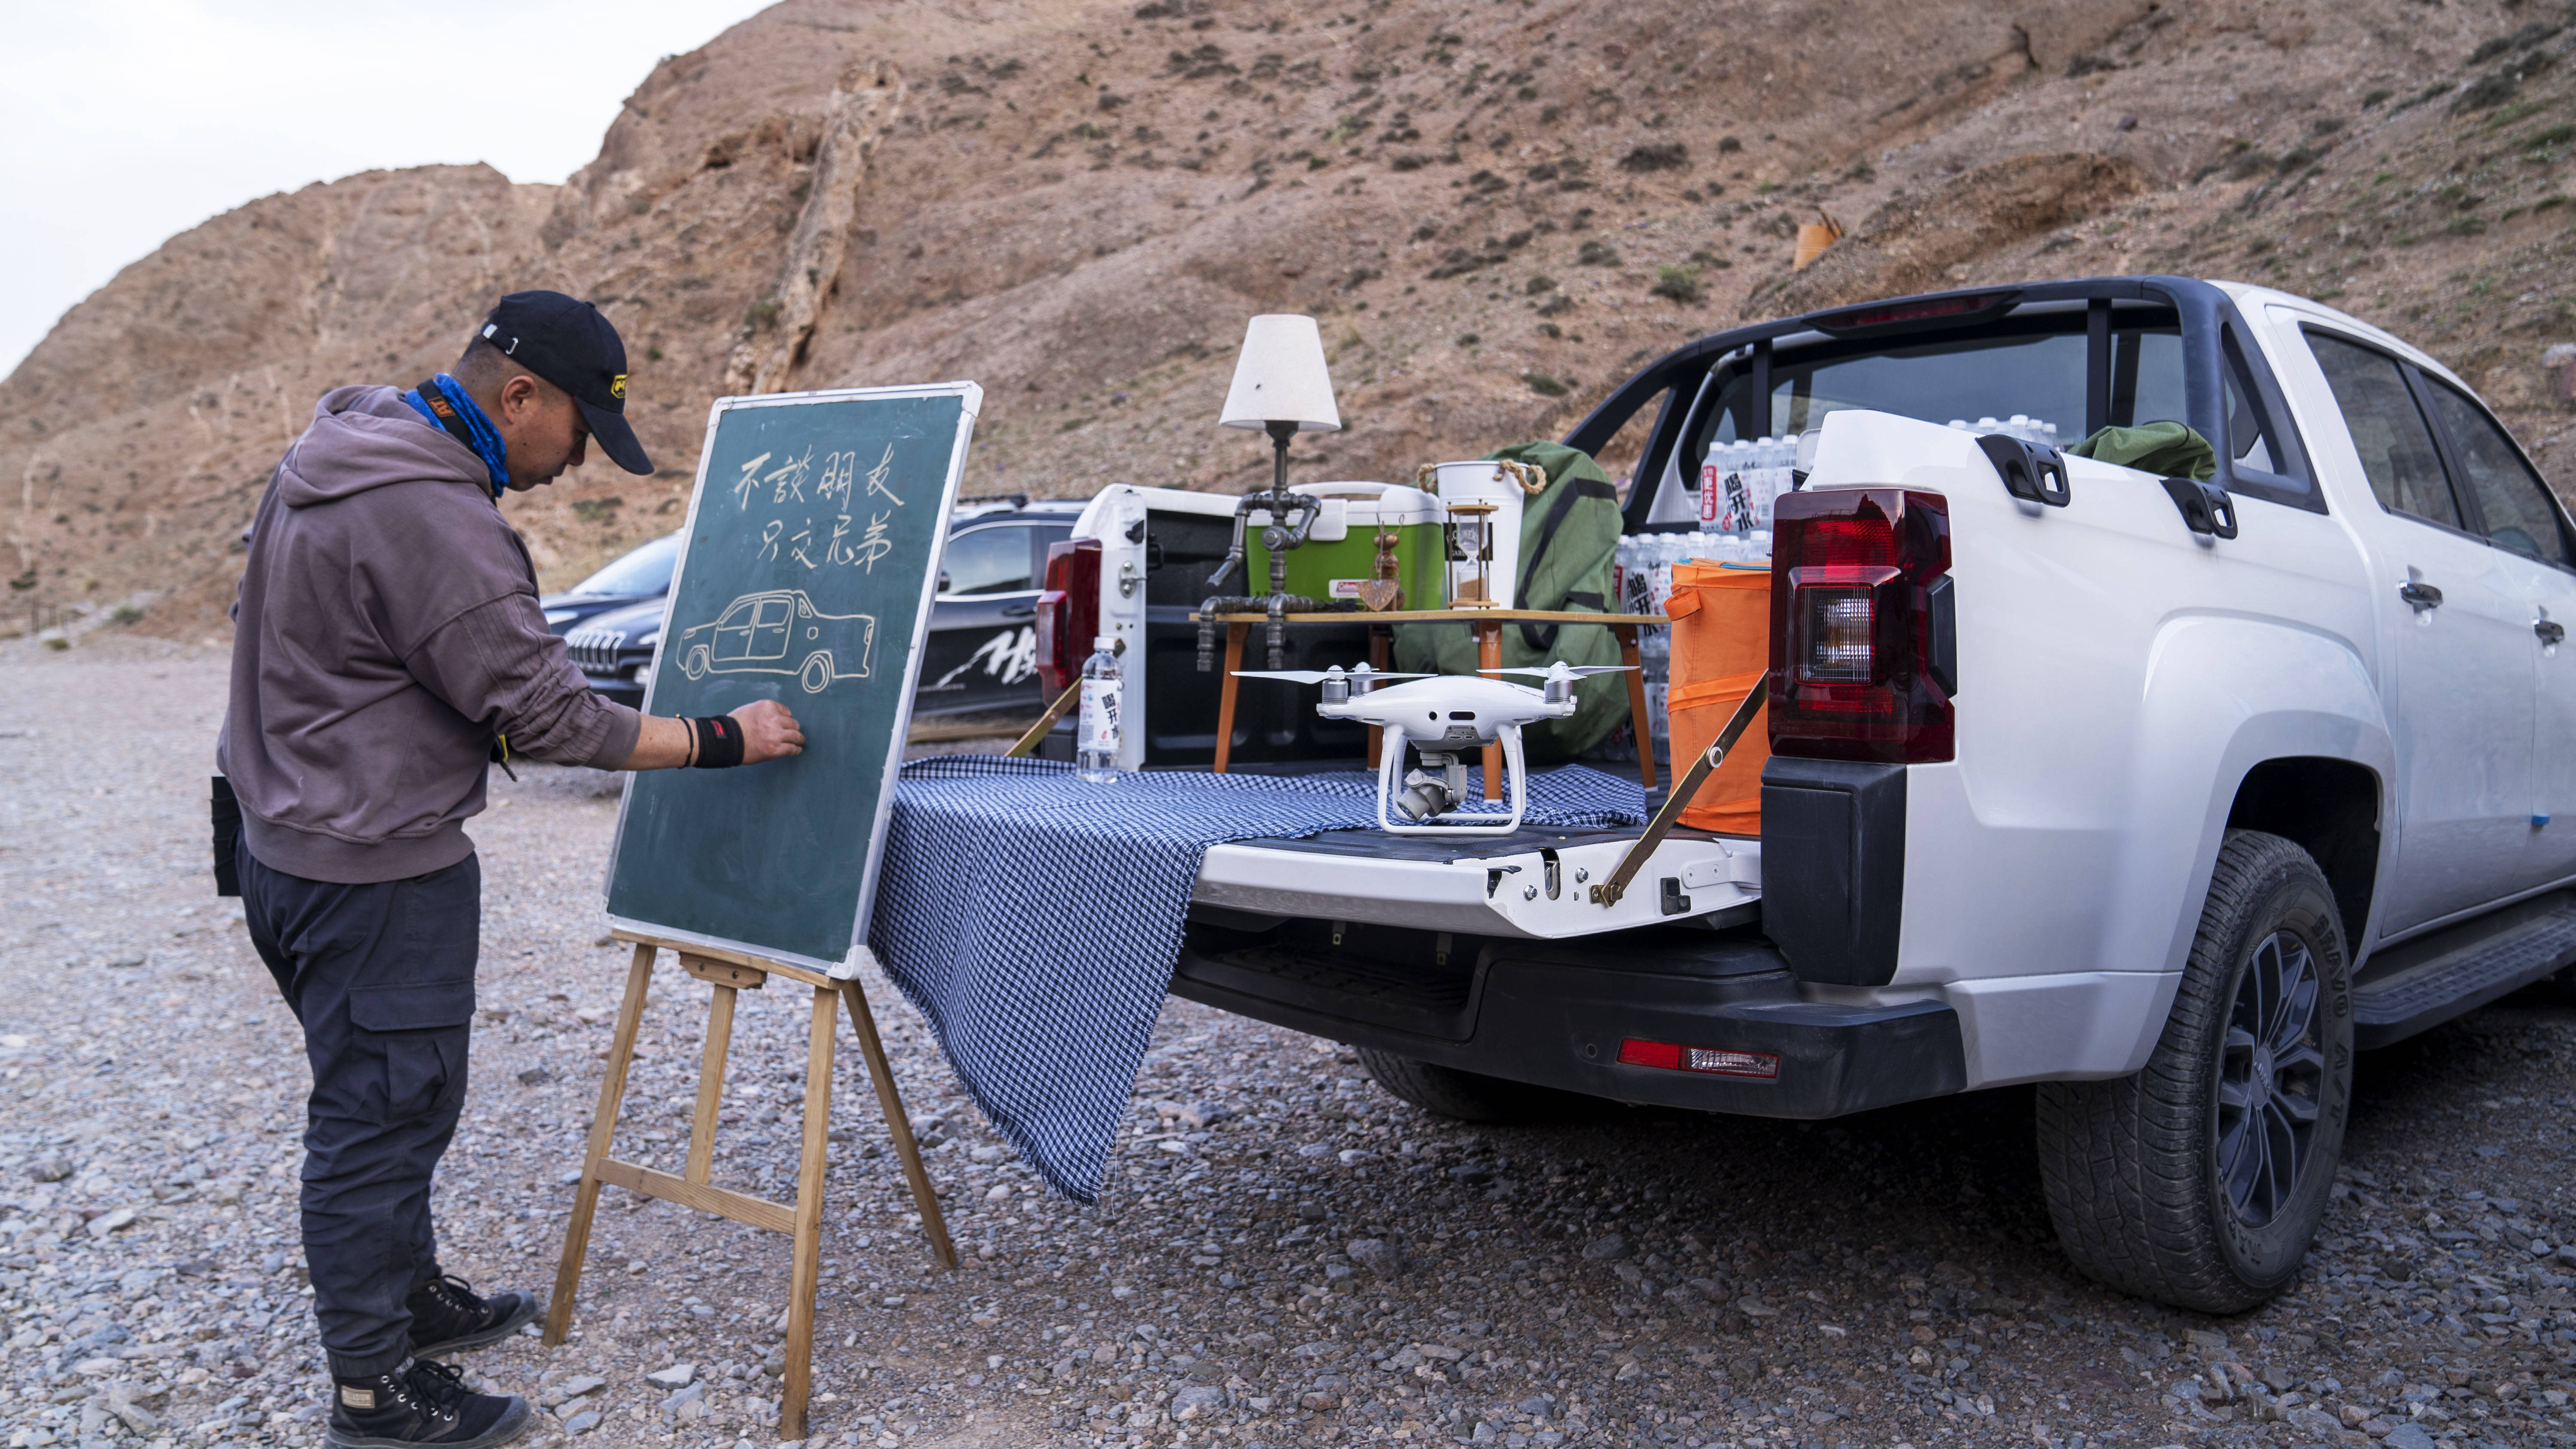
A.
pixel 382 976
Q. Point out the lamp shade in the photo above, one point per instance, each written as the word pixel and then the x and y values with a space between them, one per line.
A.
pixel 1280 378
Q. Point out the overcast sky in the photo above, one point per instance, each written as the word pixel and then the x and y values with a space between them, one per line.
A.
pixel 129 121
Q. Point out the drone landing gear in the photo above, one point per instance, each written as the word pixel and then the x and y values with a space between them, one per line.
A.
pixel 1428 801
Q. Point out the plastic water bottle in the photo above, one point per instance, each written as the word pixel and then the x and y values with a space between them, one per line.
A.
pixel 1097 737
pixel 1778 476
pixel 1716 478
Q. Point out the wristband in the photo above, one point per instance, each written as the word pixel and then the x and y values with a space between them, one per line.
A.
pixel 719 740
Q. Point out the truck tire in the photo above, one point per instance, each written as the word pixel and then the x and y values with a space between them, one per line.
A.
pixel 1468 1096
pixel 2199 1181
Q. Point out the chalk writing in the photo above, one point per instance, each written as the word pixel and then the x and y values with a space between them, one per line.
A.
pixel 834 485
pixel 877 476
pixel 835 481
pixel 873 544
pixel 742 486
pixel 789 478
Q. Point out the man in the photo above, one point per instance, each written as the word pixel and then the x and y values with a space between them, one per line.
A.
pixel 388 644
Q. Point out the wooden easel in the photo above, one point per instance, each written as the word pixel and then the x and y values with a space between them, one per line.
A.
pixel 729 972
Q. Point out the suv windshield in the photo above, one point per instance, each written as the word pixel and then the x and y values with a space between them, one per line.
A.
pixel 646 570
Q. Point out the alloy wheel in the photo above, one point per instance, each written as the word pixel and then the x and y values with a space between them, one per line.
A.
pixel 2271 1074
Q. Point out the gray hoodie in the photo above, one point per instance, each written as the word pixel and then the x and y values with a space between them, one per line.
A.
pixel 386 631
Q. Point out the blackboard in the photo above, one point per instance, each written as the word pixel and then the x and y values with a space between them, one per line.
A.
pixel 805 576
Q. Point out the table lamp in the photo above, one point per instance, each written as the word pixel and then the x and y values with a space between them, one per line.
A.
pixel 1281 387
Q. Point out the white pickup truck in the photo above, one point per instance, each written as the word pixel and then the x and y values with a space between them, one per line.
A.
pixel 2168 795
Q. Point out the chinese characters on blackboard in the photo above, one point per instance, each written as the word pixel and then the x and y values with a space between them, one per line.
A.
pixel 836 485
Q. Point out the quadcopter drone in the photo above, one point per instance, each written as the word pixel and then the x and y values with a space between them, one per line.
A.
pixel 1445 717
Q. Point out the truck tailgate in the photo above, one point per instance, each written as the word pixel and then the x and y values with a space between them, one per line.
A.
pixel 1536 885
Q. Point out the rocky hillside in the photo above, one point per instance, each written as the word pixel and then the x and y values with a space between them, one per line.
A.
pixel 1496 209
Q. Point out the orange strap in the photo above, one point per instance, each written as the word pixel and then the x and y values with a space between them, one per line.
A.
pixel 1723 689
pixel 1682 604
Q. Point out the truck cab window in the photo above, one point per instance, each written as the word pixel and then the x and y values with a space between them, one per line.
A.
pixel 2513 505
pixel 2036 370
pixel 2387 429
pixel 2245 428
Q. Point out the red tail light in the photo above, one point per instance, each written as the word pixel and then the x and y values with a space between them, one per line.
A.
pixel 1068 612
pixel 1862 640
pixel 1715 1061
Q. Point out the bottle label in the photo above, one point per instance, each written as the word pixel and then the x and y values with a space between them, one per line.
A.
pixel 1099 725
pixel 1708 493
pixel 1737 514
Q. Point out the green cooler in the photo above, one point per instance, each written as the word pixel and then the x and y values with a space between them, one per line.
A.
pixel 1340 552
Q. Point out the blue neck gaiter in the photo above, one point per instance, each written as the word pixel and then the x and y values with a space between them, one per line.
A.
pixel 446 404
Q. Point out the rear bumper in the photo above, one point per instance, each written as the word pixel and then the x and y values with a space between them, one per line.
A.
pixel 1555 1015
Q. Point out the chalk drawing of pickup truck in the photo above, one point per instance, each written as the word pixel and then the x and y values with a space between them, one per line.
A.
pixel 780 632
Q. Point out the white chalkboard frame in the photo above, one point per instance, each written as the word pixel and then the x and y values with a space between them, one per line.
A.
pixel 970 398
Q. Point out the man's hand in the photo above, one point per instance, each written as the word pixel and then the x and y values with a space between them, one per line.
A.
pixel 769 732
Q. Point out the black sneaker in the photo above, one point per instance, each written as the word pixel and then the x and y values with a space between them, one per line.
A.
pixel 420 1403
pixel 447 1316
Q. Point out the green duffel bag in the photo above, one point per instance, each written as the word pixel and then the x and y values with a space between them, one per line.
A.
pixel 1569 540
pixel 2169 448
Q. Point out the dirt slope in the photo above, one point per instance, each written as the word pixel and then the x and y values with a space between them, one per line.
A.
pixel 1498 210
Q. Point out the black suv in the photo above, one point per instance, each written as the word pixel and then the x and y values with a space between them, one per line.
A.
pixel 982 652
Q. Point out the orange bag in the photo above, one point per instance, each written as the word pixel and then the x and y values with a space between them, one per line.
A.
pixel 1721 652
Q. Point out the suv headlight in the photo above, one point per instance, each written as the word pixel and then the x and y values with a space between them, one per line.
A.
pixel 561 616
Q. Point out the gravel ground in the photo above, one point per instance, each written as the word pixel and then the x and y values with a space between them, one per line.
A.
pixel 1284 1254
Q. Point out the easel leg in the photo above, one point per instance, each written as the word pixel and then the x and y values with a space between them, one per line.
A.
pixel 1225 695
pixel 809 1221
pixel 603 1128
pixel 1638 723
pixel 711 1075
pixel 1489 655
pixel 881 1072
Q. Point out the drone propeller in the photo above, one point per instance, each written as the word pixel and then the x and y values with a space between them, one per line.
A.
pixel 1563 670
pixel 1360 674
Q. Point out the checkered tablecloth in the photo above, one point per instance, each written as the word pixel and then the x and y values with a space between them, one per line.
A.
pixel 1034 919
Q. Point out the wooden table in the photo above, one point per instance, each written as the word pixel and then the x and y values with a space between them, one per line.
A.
pixel 1488 624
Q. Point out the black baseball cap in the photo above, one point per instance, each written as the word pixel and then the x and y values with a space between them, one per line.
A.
pixel 568 343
